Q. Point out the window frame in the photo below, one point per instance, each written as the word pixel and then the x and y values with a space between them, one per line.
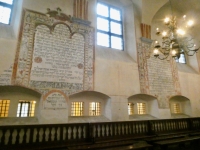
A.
pixel 174 107
pixel 29 112
pixel 109 21
pixel 74 109
pixel 131 106
pixel 11 12
pixel 138 108
pixel 97 110
pixel 7 104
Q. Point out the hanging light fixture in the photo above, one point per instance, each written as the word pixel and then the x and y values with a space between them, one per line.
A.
pixel 174 41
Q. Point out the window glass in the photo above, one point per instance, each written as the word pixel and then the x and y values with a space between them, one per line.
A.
pixel 130 108
pixel 141 108
pixel 26 108
pixel 5 14
pixel 4 107
pixel 181 59
pixel 77 109
pixel 102 24
pixel 102 10
pixel 7 1
pixel 116 28
pixel 115 14
pixel 177 108
pixel 109 26
pixel 5 11
pixel 103 39
pixel 116 42
pixel 94 109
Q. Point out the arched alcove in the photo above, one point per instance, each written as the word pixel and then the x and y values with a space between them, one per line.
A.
pixel 22 105
pixel 144 107
pixel 180 106
pixel 95 107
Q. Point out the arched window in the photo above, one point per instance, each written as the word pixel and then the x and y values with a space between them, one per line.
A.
pixel 180 106
pixel 142 106
pixel 6 8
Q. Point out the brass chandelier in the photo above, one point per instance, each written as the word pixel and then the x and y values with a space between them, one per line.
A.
pixel 174 41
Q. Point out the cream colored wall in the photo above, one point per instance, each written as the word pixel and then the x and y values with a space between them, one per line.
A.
pixel 116 72
pixel 14 96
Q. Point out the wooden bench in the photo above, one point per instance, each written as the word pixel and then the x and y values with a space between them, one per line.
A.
pixel 165 143
pixel 119 145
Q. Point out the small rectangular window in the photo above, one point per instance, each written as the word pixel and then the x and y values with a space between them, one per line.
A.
pixel 177 108
pixel 130 108
pixel 77 109
pixel 4 107
pixel 26 108
pixel 141 108
pixel 94 109
pixel 6 7
pixel 109 26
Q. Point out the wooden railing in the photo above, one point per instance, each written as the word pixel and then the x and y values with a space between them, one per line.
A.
pixel 65 134
pixel 43 134
pixel 109 130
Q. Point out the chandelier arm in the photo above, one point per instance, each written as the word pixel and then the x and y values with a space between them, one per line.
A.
pixel 190 45
pixel 163 58
pixel 188 40
pixel 190 54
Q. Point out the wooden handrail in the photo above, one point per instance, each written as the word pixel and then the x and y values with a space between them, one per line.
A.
pixel 66 134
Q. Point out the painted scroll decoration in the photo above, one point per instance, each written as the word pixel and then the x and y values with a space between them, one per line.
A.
pixel 157 77
pixel 53 55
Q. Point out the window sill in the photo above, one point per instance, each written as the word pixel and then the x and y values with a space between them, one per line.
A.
pixel 18 120
pixel 79 119
pixel 179 115
pixel 141 117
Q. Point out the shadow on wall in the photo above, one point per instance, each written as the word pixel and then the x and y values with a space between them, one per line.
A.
pixel 20 106
pixel 89 106
pixel 142 107
pixel 180 107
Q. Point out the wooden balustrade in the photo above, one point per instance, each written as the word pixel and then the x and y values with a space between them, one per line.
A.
pixel 170 125
pixel 108 130
pixel 66 134
pixel 43 134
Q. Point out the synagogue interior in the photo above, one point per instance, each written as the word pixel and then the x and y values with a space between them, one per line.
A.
pixel 97 61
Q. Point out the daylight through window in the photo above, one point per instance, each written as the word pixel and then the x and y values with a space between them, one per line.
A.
pixel 182 59
pixel 4 107
pixel 109 26
pixel 5 11
pixel 130 108
pixel 177 108
pixel 141 108
pixel 77 109
pixel 26 108
pixel 94 109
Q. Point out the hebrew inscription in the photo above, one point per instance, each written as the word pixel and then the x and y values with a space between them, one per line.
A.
pixel 5 77
pixel 55 101
pixel 157 77
pixel 56 57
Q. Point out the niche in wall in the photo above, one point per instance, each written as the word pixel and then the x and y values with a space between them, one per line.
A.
pixel 142 106
pixel 180 106
pixel 27 97
pixel 89 106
